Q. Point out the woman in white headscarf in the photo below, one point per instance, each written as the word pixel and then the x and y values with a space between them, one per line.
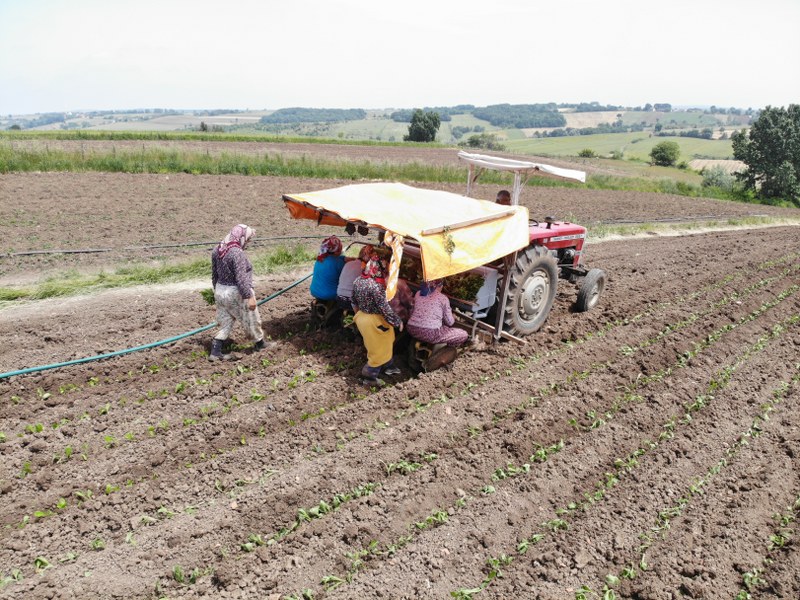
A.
pixel 232 278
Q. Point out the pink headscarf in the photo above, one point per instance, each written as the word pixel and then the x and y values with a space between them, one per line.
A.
pixel 238 237
pixel 331 245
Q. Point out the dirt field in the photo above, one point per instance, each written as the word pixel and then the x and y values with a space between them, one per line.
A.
pixel 650 446
pixel 122 212
pixel 730 166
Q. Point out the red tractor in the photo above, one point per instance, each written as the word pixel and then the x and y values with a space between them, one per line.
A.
pixel 554 250
pixel 513 263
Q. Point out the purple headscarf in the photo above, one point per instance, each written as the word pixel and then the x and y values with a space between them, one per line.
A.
pixel 429 287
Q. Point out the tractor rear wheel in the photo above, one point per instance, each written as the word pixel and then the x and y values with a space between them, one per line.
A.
pixel 531 291
pixel 591 289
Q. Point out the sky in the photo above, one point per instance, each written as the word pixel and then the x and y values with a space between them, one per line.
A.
pixel 73 55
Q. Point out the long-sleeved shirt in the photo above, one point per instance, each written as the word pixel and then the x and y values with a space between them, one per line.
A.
pixel 350 272
pixel 326 277
pixel 370 297
pixel 431 311
pixel 233 269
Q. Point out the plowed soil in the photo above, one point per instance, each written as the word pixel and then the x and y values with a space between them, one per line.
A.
pixel 128 216
pixel 653 439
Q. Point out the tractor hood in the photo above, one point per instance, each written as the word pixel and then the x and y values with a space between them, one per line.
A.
pixel 455 233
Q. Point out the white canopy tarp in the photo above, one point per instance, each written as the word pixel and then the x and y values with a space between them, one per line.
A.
pixel 497 163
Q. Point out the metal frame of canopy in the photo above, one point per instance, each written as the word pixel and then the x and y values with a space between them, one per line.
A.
pixel 523 170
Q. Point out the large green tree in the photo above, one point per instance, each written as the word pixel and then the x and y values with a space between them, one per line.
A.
pixel 424 126
pixel 665 154
pixel 771 151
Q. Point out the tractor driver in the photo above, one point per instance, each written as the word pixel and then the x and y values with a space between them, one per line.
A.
pixel 504 198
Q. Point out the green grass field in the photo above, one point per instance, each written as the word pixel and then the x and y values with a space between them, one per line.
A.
pixel 632 145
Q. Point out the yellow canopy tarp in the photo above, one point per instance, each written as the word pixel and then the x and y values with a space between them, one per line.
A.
pixel 455 233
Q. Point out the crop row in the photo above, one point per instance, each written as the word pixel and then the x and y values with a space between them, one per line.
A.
pixel 467 389
pixel 500 473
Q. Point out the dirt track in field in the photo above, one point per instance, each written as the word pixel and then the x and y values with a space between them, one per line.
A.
pixel 556 462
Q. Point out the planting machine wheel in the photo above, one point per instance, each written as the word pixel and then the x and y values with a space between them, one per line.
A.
pixel 414 360
pixel 425 357
pixel 531 291
pixel 591 289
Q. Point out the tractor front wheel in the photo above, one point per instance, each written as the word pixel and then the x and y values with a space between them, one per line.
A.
pixel 590 291
pixel 531 291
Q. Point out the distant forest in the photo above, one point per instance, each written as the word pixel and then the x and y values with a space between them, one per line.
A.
pixel 314 115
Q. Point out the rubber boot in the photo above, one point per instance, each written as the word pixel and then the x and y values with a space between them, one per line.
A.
pixel 262 344
pixel 216 350
pixel 370 376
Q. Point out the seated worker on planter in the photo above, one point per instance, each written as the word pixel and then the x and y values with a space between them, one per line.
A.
pixel 432 318
pixel 232 279
pixel 375 319
pixel 327 269
pixel 350 272
pixel 403 302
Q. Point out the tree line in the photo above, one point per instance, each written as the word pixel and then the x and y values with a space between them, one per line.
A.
pixel 314 115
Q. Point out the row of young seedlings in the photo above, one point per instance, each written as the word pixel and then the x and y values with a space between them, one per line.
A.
pixel 194 355
pixel 304 515
pixel 328 506
pixel 185 385
pixel 107 490
pixel 622 467
pixel 402 466
pixel 598 417
pixel 777 546
pixel 658 531
pixel 111 441
pixel 161 514
pixel 718 383
pixel 205 412
pixel 540 452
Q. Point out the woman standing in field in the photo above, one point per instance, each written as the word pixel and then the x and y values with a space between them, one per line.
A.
pixel 232 278
pixel 375 319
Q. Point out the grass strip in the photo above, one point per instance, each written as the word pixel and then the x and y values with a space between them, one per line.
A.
pixel 73 283
pixel 600 230
pixel 187 136
pixel 155 160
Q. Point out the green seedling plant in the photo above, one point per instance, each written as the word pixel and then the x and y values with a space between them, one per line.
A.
pixel 40 563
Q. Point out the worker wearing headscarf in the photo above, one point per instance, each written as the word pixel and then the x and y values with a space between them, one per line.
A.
pixel 432 318
pixel 350 272
pixel 232 278
pixel 375 319
pixel 327 269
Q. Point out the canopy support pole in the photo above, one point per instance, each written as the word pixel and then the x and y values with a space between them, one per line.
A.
pixel 508 261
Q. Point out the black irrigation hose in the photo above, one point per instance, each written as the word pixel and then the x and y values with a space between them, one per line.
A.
pixel 316 237
pixel 675 219
pixel 154 246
